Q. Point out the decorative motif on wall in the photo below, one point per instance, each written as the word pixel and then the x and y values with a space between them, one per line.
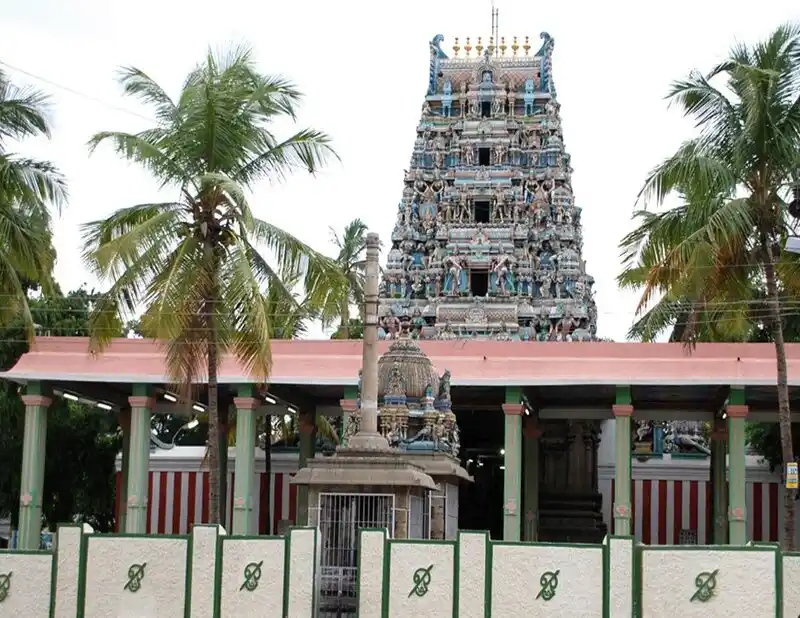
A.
pixel 705 583
pixel 549 584
pixel 5 585
pixel 422 580
pixel 252 574
pixel 135 577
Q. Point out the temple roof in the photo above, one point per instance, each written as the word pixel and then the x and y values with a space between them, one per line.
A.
pixel 472 363
pixel 415 370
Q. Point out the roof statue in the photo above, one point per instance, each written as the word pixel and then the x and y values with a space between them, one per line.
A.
pixel 488 240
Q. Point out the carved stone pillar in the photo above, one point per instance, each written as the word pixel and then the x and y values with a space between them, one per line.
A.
pixel 570 505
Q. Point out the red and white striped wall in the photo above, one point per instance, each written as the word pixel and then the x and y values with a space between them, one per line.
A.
pixel 668 496
pixel 178 491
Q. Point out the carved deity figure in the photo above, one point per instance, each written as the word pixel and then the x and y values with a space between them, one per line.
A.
pixel 454 270
pixel 499 153
pixel 464 211
pixel 426 110
pixel 467 154
pixel 502 271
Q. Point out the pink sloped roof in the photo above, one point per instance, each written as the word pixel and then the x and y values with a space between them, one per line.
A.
pixel 471 362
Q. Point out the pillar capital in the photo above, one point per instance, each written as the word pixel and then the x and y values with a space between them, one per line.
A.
pixel 622 409
pixel 513 409
pixel 737 410
pixel 36 400
pixel 141 401
pixel 246 403
pixel 349 406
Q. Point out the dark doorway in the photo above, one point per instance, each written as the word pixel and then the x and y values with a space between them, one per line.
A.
pixel 481 212
pixel 483 156
pixel 481 502
pixel 479 283
pixel 486 109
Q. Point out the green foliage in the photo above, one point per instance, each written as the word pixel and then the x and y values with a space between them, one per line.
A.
pixel 82 442
pixel 194 263
pixel 709 263
pixel 714 267
pixel 354 331
pixel 27 189
pixel 352 266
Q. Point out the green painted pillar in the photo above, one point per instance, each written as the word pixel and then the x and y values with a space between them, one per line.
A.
pixel 33 457
pixel 737 506
pixel 530 478
pixel 512 484
pixel 245 465
pixel 139 471
pixel 349 406
pixel 306 425
pixel 719 483
pixel 623 410
pixel 124 419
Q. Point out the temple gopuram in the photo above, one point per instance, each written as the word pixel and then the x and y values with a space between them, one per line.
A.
pixel 488 239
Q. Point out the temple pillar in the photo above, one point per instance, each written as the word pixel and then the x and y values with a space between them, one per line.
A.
pixel 368 438
pixel 124 420
pixel 138 474
pixel 512 486
pixel 530 478
pixel 737 506
pixel 719 483
pixel 33 459
pixel 623 410
pixel 245 465
pixel 306 425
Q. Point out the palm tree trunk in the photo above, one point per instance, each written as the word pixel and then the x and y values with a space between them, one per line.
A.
pixel 344 311
pixel 784 411
pixel 213 435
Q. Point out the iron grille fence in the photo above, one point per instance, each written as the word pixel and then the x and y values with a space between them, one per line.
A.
pixel 341 516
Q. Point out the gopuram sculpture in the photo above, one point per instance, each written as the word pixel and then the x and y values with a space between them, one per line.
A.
pixel 488 238
pixel 487 244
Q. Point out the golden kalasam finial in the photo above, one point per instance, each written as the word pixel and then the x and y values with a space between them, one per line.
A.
pixel 456 47
pixel 491 46
pixel 514 46
pixel 479 47
pixel 502 46
pixel 467 47
pixel 527 46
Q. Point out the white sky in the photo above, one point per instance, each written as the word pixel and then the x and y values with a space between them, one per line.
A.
pixel 364 68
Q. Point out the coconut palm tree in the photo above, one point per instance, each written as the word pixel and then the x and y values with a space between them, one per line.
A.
pixel 352 265
pixel 707 256
pixel 28 188
pixel 193 262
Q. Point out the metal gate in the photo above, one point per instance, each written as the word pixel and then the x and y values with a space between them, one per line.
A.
pixel 341 516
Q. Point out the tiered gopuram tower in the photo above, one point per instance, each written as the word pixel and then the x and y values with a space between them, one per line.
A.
pixel 488 237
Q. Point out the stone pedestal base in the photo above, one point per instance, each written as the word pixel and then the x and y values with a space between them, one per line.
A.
pixel 571 518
